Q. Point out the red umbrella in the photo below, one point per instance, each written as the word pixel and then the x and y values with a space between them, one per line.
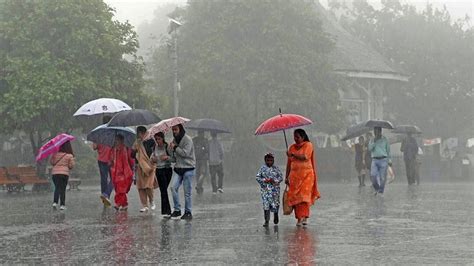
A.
pixel 282 122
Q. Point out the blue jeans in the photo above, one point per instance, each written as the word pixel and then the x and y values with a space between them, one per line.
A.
pixel 378 174
pixel 186 180
pixel 106 185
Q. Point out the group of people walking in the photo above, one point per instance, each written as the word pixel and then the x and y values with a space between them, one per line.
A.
pixel 148 164
pixel 373 156
pixel 151 163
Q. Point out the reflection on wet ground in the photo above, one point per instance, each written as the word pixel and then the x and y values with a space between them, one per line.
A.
pixel 429 224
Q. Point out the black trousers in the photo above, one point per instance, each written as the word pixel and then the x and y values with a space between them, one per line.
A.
pixel 201 172
pixel 163 176
pixel 410 167
pixel 60 184
pixel 216 170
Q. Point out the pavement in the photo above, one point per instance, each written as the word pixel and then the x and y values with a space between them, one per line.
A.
pixel 427 224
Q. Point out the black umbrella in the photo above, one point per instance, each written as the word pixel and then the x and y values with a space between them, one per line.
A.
pixel 134 117
pixel 106 135
pixel 207 124
pixel 355 131
pixel 379 123
pixel 407 129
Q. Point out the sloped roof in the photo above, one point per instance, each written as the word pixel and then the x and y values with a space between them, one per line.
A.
pixel 352 56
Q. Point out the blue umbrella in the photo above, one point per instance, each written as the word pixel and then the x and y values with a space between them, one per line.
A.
pixel 106 135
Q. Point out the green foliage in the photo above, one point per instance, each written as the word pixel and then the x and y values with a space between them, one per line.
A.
pixel 57 55
pixel 436 53
pixel 239 61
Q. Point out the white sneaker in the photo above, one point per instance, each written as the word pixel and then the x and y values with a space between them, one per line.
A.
pixel 153 207
pixel 62 208
pixel 144 209
pixel 166 216
pixel 220 190
pixel 55 205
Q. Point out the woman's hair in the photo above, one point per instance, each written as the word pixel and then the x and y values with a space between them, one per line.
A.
pixel 161 135
pixel 141 129
pixel 66 148
pixel 120 137
pixel 302 134
pixel 269 155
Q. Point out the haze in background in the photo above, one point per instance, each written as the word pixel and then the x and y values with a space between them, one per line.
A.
pixel 139 11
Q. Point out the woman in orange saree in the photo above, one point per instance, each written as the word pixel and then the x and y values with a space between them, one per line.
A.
pixel 301 176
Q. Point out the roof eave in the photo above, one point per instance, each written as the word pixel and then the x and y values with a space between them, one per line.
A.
pixel 373 75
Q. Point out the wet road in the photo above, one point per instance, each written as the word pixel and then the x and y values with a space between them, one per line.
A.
pixel 429 224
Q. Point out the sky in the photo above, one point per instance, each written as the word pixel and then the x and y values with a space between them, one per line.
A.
pixel 138 11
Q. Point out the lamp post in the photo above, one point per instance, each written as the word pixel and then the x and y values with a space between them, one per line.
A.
pixel 173 31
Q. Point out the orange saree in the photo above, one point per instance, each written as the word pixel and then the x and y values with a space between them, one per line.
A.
pixel 302 176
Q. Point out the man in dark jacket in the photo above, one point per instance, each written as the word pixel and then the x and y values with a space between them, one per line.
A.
pixel 201 150
pixel 410 150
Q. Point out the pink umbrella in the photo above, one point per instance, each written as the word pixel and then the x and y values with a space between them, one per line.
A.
pixel 53 145
pixel 165 125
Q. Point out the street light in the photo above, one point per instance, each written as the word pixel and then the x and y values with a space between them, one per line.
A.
pixel 173 31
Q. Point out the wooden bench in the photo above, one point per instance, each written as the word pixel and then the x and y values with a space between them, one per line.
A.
pixel 9 183
pixel 74 183
pixel 27 176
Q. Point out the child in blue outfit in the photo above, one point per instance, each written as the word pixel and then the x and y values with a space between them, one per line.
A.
pixel 269 177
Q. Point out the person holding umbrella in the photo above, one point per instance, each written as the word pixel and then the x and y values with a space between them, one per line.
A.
pixel 121 166
pixel 62 162
pixel 182 149
pixel 103 158
pixel 410 151
pixel 379 148
pixel 201 148
pixel 145 170
pixel 216 168
pixel 164 172
pixel 301 176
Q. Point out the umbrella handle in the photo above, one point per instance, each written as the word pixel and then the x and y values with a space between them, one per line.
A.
pixel 286 142
pixel 284 133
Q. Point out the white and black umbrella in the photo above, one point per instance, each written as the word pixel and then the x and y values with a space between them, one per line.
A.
pixel 102 106
pixel 135 117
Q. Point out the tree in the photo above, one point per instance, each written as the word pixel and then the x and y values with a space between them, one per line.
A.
pixel 434 51
pixel 248 58
pixel 57 55
pixel 240 61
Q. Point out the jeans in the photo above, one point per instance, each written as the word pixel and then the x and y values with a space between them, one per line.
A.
pixel 163 175
pixel 106 185
pixel 378 174
pixel 60 184
pixel 216 170
pixel 186 180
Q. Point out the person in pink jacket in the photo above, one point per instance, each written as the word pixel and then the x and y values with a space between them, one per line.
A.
pixel 62 162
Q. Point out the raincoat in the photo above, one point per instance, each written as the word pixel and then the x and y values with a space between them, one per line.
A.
pixel 121 173
pixel 270 191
